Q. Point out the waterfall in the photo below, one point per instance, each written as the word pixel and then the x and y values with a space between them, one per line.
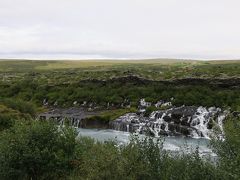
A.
pixel 196 122
pixel 202 119
pixel 78 123
pixel 61 122
pixel 127 127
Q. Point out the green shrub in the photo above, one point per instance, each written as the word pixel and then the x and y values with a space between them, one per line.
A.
pixel 36 151
pixel 228 151
pixel 20 105
pixel 6 121
pixel 39 150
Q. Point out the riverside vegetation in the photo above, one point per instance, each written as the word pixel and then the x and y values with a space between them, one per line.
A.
pixel 39 150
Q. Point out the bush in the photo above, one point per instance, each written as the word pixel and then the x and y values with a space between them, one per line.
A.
pixel 9 116
pixel 228 151
pixel 6 121
pixel 39 150
pixel 36 151
pixel 20 105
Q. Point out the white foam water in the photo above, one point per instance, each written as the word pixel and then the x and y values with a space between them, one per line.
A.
pixel 202 118
pixel 201 123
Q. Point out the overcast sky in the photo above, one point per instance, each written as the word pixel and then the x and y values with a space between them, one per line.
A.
pixel 188 29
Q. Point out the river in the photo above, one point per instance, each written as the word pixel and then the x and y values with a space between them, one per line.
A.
pixel 174 144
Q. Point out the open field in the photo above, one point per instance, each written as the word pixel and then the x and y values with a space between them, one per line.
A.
pixel 29 65
pixel 72 71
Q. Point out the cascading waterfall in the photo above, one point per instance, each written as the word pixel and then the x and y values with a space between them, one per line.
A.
pixel 196 122
pixel 204 117
pixel 61 122
pixel 72 122
pixel 72 116
pixel 127 127
pixel 188 121
pixel 220 121
pixel 200 121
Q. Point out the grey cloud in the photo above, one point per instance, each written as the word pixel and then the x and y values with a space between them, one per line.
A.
pixel 120 28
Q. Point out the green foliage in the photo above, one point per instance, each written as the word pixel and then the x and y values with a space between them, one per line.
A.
pixel 111 115
pixel 19 105
pixel 140 159
pixel 98 161
pixel 228 151
pixel 116 94
pixel 146 159
pixel 153 69
pixel 9 116
pixel 149 110
pixel 58 81
pixel 6 121
pixel 36 151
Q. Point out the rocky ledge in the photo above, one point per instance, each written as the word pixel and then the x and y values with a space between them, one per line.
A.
pixel 230 82
pixel 188 121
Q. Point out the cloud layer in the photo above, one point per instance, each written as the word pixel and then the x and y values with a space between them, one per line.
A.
pixel 206 29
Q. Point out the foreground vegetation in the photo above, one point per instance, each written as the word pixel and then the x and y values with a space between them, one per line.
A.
pixel 37 150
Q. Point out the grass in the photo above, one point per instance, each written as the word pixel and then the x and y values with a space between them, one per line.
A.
pixel 114 114
pixel 110 115
pixel 59 72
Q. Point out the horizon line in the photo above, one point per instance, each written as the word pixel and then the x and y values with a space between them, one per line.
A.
pixel 113 59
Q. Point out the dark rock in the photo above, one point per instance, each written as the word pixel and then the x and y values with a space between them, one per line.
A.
pixel 212 82
pixel 210 124
pixel 176 115
pixel 163 126
pixel 149 133
pixel 158 115
pixel 236 114
pixel 184 121
pixel 177 120
pixel 167 118
pixel 94 123
pixel 172 127
pixel 163 133
pixel 186 131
